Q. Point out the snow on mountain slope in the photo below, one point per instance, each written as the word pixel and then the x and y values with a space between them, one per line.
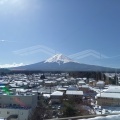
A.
pixel 58 58
pixel 60 62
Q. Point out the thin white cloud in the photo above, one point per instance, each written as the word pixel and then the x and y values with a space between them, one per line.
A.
pixel 2 40
pixel 11 65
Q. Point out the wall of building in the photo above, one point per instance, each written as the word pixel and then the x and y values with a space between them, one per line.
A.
pixel 22 114
pixel 108 101
pixel 18 100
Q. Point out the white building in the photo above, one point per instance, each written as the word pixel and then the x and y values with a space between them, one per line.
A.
pixel 80 83
pixel 17 106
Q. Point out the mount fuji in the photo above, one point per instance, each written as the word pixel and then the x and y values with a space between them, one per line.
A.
pixel 60 62
pixel 58 58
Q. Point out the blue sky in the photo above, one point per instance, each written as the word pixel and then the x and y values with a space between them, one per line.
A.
pixel 27 27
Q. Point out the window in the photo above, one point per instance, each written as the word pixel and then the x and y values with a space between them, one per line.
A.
pixel 8 112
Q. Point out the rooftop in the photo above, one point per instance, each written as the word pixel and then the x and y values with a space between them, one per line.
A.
pixel 74 92
pixel 113 89
pixel 109 95
pixel 57 93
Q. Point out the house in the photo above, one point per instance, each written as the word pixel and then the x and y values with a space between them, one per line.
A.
pixel 73 88
pixel 85 89
pixel 50 83
pixel 80 83
pixel 62 89
pixel 92 82
pixel 74 95
pixel 56 97
pixel 109 97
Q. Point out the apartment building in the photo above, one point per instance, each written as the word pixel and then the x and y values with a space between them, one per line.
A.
pixel 17 106
pixel 109 97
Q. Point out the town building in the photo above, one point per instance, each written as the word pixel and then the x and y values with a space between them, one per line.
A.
pixel 74 95
pixel 56 97
pixel 109 97
pixel 17 106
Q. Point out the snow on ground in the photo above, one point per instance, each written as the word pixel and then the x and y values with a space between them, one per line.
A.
pixel 110 117
pixel 106 110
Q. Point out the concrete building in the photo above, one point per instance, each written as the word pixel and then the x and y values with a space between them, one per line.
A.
pixel 109 97
pixel 56 97
pixel 17 106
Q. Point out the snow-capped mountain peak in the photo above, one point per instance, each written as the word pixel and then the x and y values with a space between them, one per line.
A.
pixel 58 58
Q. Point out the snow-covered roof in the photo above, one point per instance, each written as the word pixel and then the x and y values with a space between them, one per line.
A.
pixel 113 89
pixel 109 95
pixel 100 82
pixel 40 80
pixel 59 79
pixel 57 93
pixel 72 88
pixel 50 81
pixel 62 88
pixel 110 74
pixel 13 85
pixel 72 79
pixel 81 82
pixel 46 95
pixel 84 78
pixel 21 90
pixel 74 92
pixel 65 80
pixel 85 86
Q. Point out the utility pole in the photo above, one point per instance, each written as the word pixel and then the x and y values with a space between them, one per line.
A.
pixel 50 87
pixel 100 101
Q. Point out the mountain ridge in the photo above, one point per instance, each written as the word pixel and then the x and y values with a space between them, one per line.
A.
pixel 60 62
